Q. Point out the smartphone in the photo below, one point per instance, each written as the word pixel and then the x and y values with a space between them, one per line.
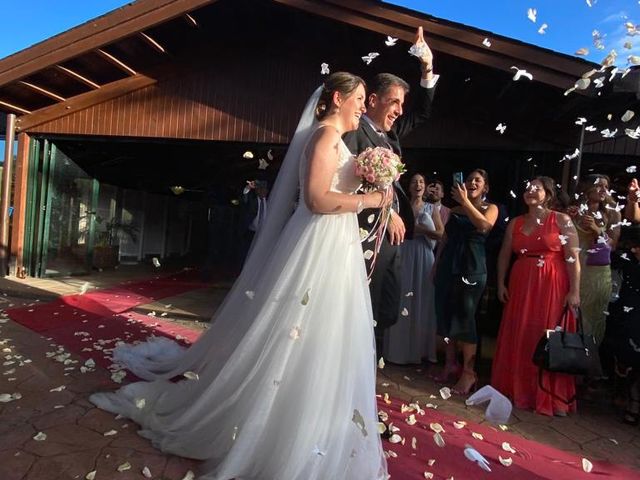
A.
pixel 458 178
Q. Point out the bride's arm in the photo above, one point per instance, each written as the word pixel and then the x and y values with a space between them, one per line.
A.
pixel 323 152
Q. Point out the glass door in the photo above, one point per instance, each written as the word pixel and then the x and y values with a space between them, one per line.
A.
pixel 63 220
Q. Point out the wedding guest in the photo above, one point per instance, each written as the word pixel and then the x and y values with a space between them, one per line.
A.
pixel 434 196
pixel 413 337
pixel 598 225
pixel 461 275
pixel 254 202
pixel 544 279
pixel 632 208
pixel 562 200
pixel 622 339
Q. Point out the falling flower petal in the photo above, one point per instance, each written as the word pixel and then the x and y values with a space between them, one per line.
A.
pixel 40 437
pixel 467 282
pixel 628 115
pixel 124 467
pixel 543 29
pixel 156 262
pixel 507 448
pixel 486 43
pixel 411 420
pixel 436 427
pixel 404 312
pixel 501 128
pixel 140 403
pixel 505 461
pixel 294 333
pixel 359 421
pixel 587 466
pixel 305 297
pixel 262 164
pixel 381 363
pixel 445 393
pixel 368 254
pixel 459 424
pixel 250 294
pixel 189 476
pixel 91 475
pixel 110 433
pixel 146 472
pixel 395 438
pixel 390 41
pixel 582 51
pixel 248 155
pixel 191 375
pixel 324 69
pixel 437 438
pixel 531 14
pixel 367 59
pixel 477 436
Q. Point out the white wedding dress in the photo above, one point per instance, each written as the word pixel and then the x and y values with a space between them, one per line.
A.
pixel 286 387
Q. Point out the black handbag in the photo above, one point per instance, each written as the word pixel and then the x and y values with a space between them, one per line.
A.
pixel 560 351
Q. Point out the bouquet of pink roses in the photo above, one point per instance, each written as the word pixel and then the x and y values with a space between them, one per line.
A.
pixel 378 168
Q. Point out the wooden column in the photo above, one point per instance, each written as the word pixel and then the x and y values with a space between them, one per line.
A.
pixel 20 203
pixel 5 194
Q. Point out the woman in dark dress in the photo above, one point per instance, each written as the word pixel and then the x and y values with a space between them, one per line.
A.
pixel 622 339
pixel 461 276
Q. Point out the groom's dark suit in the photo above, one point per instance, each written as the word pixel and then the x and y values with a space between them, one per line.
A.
pixel 385 280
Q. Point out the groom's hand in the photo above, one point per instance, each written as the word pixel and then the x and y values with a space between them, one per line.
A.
pixel 395 229
pixel 427 59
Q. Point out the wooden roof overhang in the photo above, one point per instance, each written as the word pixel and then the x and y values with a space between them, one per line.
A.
pixel 126 50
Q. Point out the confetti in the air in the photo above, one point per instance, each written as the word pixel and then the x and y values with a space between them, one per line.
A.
pixel 486 43
pixel 521 74
pixel 543 29
pixel 531 14
pixel 248 155
pixel 467 282
pixel 262 164
pixel 324 69
pixel 390 41
pixel 370 57
pixel 628 115
pixel 501 128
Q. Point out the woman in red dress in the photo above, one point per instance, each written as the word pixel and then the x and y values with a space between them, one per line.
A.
pixel 544 279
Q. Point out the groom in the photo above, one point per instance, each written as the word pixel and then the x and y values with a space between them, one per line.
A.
pixel 383 126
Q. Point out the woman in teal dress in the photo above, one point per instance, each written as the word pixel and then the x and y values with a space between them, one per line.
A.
pixel 461 276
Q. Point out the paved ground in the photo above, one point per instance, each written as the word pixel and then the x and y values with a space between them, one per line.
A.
pixel 81 439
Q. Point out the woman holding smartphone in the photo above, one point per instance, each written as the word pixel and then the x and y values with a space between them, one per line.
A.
pixel 461 276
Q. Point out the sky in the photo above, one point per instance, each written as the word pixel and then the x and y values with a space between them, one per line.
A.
pixel 570 22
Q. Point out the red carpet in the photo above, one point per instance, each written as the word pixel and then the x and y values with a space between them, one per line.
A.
pixel 532 460
pixel 90 325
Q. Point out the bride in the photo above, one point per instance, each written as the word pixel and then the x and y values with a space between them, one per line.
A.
pixel 282 386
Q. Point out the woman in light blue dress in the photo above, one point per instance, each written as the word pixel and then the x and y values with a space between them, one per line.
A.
pixel 413 337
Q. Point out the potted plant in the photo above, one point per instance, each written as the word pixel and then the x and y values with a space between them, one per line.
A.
pixel 107 247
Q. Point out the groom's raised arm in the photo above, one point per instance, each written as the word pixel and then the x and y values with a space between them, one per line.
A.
pixel 425 92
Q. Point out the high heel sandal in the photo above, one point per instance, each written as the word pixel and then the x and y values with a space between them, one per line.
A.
pixel 632 413
pixel 448 374
pixel 470 387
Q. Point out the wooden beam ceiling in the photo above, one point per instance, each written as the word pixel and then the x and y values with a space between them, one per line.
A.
pixel 95 34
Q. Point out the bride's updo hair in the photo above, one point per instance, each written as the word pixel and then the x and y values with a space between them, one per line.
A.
pixel 343 82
